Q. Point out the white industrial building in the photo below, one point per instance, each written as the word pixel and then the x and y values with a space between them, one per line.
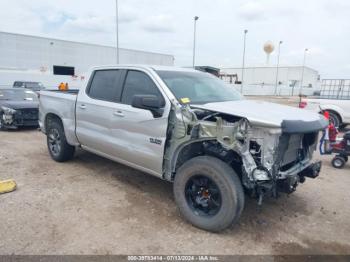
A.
pixel 51 61
pixel 262 79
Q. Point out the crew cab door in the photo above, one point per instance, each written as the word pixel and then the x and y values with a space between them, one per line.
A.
pixel 95 111
pixel 137 132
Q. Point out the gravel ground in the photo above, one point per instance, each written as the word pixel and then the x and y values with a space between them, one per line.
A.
pixel 94 206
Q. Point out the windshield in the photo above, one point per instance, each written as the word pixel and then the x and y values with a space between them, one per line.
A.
pixel 17 95
pixel 34 86
pixel 198 88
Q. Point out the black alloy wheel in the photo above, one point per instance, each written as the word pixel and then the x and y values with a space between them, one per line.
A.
pixel 203 196
pixel 54 142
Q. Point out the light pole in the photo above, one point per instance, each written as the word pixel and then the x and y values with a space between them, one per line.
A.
pixel 277 67
pixel 117 30
pixel 302 72
pixel 243 63
pixel 194 41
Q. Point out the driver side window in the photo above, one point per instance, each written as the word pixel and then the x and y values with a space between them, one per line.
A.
pixel 138 83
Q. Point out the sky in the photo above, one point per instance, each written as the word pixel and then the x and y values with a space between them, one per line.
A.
pixel 166 26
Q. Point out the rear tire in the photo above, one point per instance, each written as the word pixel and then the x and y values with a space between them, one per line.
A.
pixel 208 193
pixel 57 145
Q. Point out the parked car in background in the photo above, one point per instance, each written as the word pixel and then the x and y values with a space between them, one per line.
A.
pixel 339 109
pixel 334 97
pixel 190 128
pixel 34 86
pixel 18 108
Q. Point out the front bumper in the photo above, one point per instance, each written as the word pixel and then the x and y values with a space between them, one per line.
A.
pixel 288 182
pixel 26 122
pixel 18 125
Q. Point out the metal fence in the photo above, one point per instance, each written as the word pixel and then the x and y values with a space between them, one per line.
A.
pixel 270 90
pixel 335 88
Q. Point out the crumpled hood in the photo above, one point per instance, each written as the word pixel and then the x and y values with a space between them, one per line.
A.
pixel 262 113
pixel 20 104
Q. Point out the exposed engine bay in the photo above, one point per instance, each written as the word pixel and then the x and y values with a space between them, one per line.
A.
pixel 268 160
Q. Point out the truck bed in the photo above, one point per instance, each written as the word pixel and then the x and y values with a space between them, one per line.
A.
pixel 70 91
pixel 61 104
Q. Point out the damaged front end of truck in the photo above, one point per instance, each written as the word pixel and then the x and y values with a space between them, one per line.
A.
pixel 268 159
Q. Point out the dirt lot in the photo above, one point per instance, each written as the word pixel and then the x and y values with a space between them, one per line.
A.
pixel 94 206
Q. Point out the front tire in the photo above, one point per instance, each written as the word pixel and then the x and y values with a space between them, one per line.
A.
pixel 208 193
pixel 57 145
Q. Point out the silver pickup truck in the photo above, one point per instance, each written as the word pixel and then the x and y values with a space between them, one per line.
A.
pixel 189 128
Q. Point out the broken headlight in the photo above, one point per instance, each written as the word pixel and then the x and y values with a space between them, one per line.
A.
pixel 8 111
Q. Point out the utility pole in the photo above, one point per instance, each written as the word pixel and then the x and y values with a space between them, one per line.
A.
pixel 243 63
pixel 194 40
pixel 302 72
pixel 117 30
pixel 277 67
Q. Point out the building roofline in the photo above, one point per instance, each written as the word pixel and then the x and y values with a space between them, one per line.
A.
pixel 82 43
pixel 253 67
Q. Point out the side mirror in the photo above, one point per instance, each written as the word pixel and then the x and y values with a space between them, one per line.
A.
pixel 149 102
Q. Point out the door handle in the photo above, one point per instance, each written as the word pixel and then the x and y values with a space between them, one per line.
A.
pixel 82 106
pixel 118 113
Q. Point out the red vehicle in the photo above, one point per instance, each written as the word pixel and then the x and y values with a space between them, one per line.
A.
pixel 331 144
pixel 342 149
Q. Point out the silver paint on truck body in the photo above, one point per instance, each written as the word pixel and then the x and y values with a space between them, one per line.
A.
pixel 261 113
pixel 123 133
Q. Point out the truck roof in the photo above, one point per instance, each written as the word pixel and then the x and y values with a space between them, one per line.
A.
pixel 147 67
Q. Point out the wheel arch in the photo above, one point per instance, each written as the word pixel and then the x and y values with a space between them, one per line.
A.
pixel 191 149
pixel 52 117
pixel 68 127
pixel 334 110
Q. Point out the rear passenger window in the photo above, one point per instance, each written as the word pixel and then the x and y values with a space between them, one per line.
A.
pixel 138 83
pixel 18 84
pixel 105 85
